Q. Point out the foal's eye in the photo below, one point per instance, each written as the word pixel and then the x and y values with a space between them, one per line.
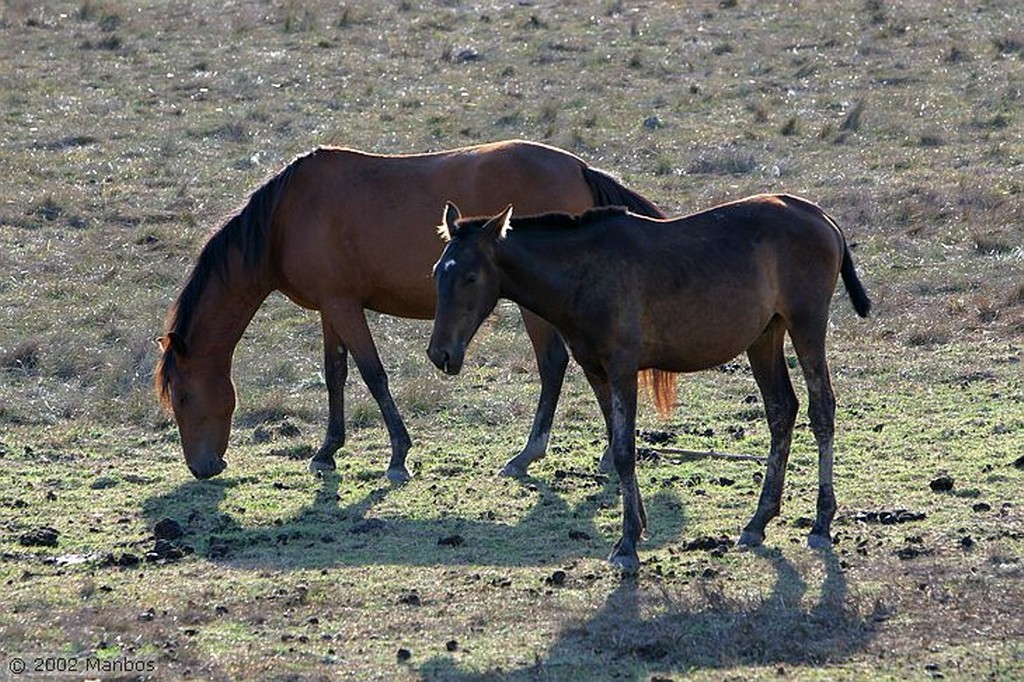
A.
pixel 470 278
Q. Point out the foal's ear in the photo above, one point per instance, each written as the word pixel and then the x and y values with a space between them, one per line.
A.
pixel 447 227
pixel 498 226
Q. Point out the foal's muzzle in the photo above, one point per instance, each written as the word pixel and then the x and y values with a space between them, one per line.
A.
pixel 449 362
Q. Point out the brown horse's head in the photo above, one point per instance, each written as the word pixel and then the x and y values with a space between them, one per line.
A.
pixel 202 398
pixel 467 285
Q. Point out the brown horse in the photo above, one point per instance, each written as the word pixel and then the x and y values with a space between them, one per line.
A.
pixel 629 293
pixel 341 231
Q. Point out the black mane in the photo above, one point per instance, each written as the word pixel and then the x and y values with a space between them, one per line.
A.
pixel 248 232
pixel 550 221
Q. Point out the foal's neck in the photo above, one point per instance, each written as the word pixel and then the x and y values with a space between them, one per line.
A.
pixel 537 276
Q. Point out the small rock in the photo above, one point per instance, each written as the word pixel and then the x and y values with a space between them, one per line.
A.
pixel 168 529
pixel 410 599
pixel 942 484
pixel 288 430
pixel 368 526
pixel 556 579
pixel 451 541
pixel 653 123
pixel 465 55
pixel 147 615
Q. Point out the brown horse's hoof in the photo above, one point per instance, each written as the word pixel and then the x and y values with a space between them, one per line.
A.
pixel 815 541
pixel 322 464
pixel 398 475
pixel 749 538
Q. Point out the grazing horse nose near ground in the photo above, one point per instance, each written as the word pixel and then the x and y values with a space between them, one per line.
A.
pixel 208 468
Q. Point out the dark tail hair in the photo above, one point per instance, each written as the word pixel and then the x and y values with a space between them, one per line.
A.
pixel 854 287
pixel 607 191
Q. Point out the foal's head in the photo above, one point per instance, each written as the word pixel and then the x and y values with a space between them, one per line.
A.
pixel 467 282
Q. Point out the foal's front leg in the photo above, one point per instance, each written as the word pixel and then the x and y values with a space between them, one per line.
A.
pixel 622 426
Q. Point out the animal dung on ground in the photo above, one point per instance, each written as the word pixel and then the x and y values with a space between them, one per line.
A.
pixel 942 484
pixel 44 536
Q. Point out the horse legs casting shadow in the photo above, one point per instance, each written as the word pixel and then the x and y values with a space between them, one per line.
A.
pixel 552 359
pixel 338 315
pixel 768 364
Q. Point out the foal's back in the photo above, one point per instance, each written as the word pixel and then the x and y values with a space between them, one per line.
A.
pixel 702 288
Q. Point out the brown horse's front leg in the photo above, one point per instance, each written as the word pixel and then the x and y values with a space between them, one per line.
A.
pixel 552 359
pixel 623 445
pixel 349 320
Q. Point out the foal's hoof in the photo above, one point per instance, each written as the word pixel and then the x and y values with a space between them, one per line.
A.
pixel 513 470
pixel 815 541
pixel 626 564
pixel 322 464
pixel 398 475
pixel 749 538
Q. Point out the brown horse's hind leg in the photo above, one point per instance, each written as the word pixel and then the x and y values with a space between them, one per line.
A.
pixel 335 375
pixel 769 368
pixel 552 359
pixel 810 349
pixel 349 320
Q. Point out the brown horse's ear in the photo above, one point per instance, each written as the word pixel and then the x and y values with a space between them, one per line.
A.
pixel 498 226
pixel 451 216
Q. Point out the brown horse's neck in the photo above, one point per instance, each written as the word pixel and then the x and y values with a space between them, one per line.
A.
pixel 224 309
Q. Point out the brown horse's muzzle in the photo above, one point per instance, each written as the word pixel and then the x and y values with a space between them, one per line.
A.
pixel 207 467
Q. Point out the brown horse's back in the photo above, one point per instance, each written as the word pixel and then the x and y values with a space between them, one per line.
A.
pixel 361 226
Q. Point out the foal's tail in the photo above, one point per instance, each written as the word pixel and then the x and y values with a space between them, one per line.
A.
pixel 607 191
pixel 854 287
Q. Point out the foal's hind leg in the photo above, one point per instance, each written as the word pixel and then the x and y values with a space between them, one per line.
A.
pixel 810 349
pixel 349 320
pixel 552 358
pixel 769 368
pixel 335 375
pixel 604 399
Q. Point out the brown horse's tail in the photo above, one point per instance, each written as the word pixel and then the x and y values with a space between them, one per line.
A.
pixel 607 191
pixel 662 387
pixel 854 287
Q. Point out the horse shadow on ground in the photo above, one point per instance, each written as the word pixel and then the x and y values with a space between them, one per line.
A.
pixel 704 631
pixel 328 533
